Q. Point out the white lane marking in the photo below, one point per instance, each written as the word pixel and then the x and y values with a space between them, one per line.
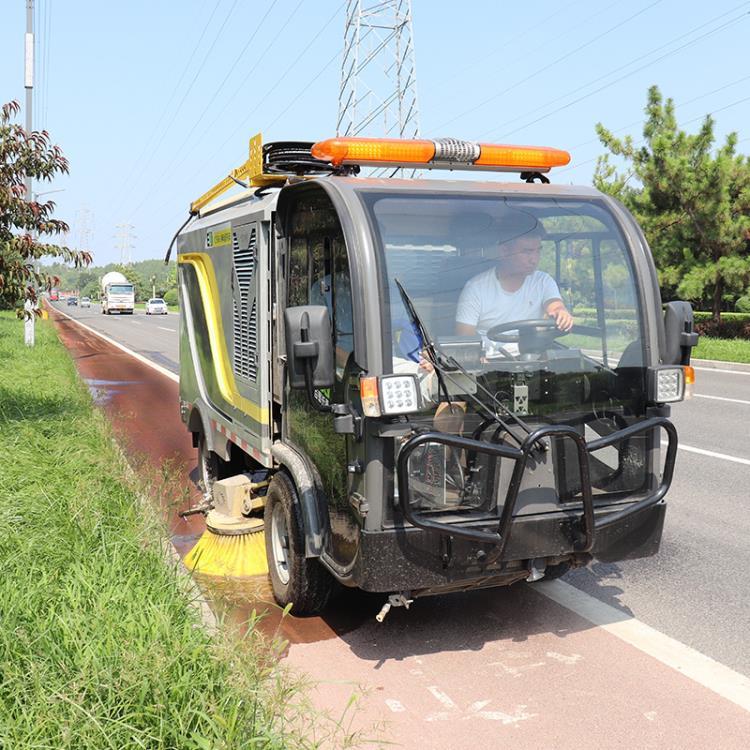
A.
pixel 139 357
pixel 696 666
pixel 396 706
pixel 564 658
pixel 137 323
pixel 721 398
pixel 716 369
pixel 442 697
pixel 519 715
pixel 711 454
pixel 173 330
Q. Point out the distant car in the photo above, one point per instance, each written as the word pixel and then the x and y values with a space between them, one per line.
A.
pixel 156 306
pixel 85 302
pixel 72 301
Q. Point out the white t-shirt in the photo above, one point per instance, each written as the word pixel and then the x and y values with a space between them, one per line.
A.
pixel 484 303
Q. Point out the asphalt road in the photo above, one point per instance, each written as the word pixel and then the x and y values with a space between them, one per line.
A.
pixel 697 588
pixel 153 336
pixel 512 659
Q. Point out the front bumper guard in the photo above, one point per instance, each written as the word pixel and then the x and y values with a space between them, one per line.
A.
pixel 589 523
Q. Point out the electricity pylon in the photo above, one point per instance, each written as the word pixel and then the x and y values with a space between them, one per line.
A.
pixel 124 236
pixel 378 93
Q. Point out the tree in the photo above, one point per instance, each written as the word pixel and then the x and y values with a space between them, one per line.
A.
pixel 693 202
pixel 25 155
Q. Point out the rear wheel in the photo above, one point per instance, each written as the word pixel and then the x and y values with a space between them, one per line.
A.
pixel 302 582
pixel 210 466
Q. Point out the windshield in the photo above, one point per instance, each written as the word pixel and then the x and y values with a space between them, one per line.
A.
pixel 536 303
pixel 156 302
pixel 121 289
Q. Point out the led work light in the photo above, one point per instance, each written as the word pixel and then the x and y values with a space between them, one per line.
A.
pixel 389 395
pixel 667 384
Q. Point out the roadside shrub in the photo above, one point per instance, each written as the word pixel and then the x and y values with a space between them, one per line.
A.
pixel 170 297
pixel 743 304
pixel 732 325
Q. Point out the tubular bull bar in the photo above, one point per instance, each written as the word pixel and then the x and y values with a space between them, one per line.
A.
pixel 589 523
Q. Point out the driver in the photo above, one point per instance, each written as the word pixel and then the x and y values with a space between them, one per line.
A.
pixel 514 289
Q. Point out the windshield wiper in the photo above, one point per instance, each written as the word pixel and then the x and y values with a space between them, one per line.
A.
pixel 439 359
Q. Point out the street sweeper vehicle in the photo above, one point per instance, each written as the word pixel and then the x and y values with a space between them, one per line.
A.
pixel 417 386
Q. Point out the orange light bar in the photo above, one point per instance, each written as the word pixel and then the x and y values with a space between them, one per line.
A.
pixel 446 153
pixel 521 157
pixel 357 150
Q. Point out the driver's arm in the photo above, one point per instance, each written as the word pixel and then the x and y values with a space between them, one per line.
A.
pixel 557 310
pixel 464 329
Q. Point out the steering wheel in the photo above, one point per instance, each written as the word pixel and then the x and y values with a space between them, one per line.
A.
pixel 542 330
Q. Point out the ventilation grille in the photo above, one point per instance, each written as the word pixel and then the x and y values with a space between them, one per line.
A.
pixel 245 315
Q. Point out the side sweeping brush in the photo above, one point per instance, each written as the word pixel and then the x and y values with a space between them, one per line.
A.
pixel 233 544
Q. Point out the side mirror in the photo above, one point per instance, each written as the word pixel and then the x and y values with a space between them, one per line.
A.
pixel 679 336
pixel 309 347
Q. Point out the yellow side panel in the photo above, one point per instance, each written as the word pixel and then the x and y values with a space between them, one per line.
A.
pixel 204 270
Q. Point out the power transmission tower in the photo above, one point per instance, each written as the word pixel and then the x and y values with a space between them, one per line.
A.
pixel 124 244
pixel 378 93
pixel 84 228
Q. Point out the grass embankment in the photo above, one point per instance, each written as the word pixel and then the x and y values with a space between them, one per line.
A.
pixel 725 350
pixel 98 646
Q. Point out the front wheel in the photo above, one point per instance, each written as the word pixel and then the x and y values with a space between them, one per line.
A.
pixel 302 582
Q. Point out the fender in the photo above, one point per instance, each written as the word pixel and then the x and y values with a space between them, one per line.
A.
pixel 314 530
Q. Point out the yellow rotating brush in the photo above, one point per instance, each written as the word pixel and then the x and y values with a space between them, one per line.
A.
pixel 233 544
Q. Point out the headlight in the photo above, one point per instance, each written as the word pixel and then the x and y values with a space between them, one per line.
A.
pixel 389 394
pixel 667 384
pixel 399 394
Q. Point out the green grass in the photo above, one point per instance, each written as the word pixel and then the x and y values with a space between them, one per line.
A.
pixel 726 350
pixel 98 646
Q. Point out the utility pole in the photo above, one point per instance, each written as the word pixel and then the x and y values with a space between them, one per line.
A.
pixel 29 75
pixel 124 236
pixel 378 92
pixel 29 333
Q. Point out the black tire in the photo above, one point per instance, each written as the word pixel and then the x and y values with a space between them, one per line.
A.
pixel 210 466
pixel 302 582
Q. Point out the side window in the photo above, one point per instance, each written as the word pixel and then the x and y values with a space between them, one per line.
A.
pixel 297 281
pixel 319 271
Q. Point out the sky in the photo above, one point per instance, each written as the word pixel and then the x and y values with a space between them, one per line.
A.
pixel 154 102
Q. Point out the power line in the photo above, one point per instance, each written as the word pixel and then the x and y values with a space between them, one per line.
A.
pixel 258 103
pixel 610 73
pixel 632 72
pixel 516 38
pixel 180 150
pixel 189 88
pixel 677 106
pixel 302 91
pixel 687 122
pixel 175 89
pixel 550 65
pixel 180 158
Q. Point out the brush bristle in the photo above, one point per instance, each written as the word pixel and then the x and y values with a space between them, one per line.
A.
pixel 240 556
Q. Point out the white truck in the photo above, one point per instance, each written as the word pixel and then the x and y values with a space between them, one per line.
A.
pixel 118 294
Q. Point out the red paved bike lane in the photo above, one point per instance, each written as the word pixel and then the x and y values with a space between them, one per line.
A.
pixel 498 668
